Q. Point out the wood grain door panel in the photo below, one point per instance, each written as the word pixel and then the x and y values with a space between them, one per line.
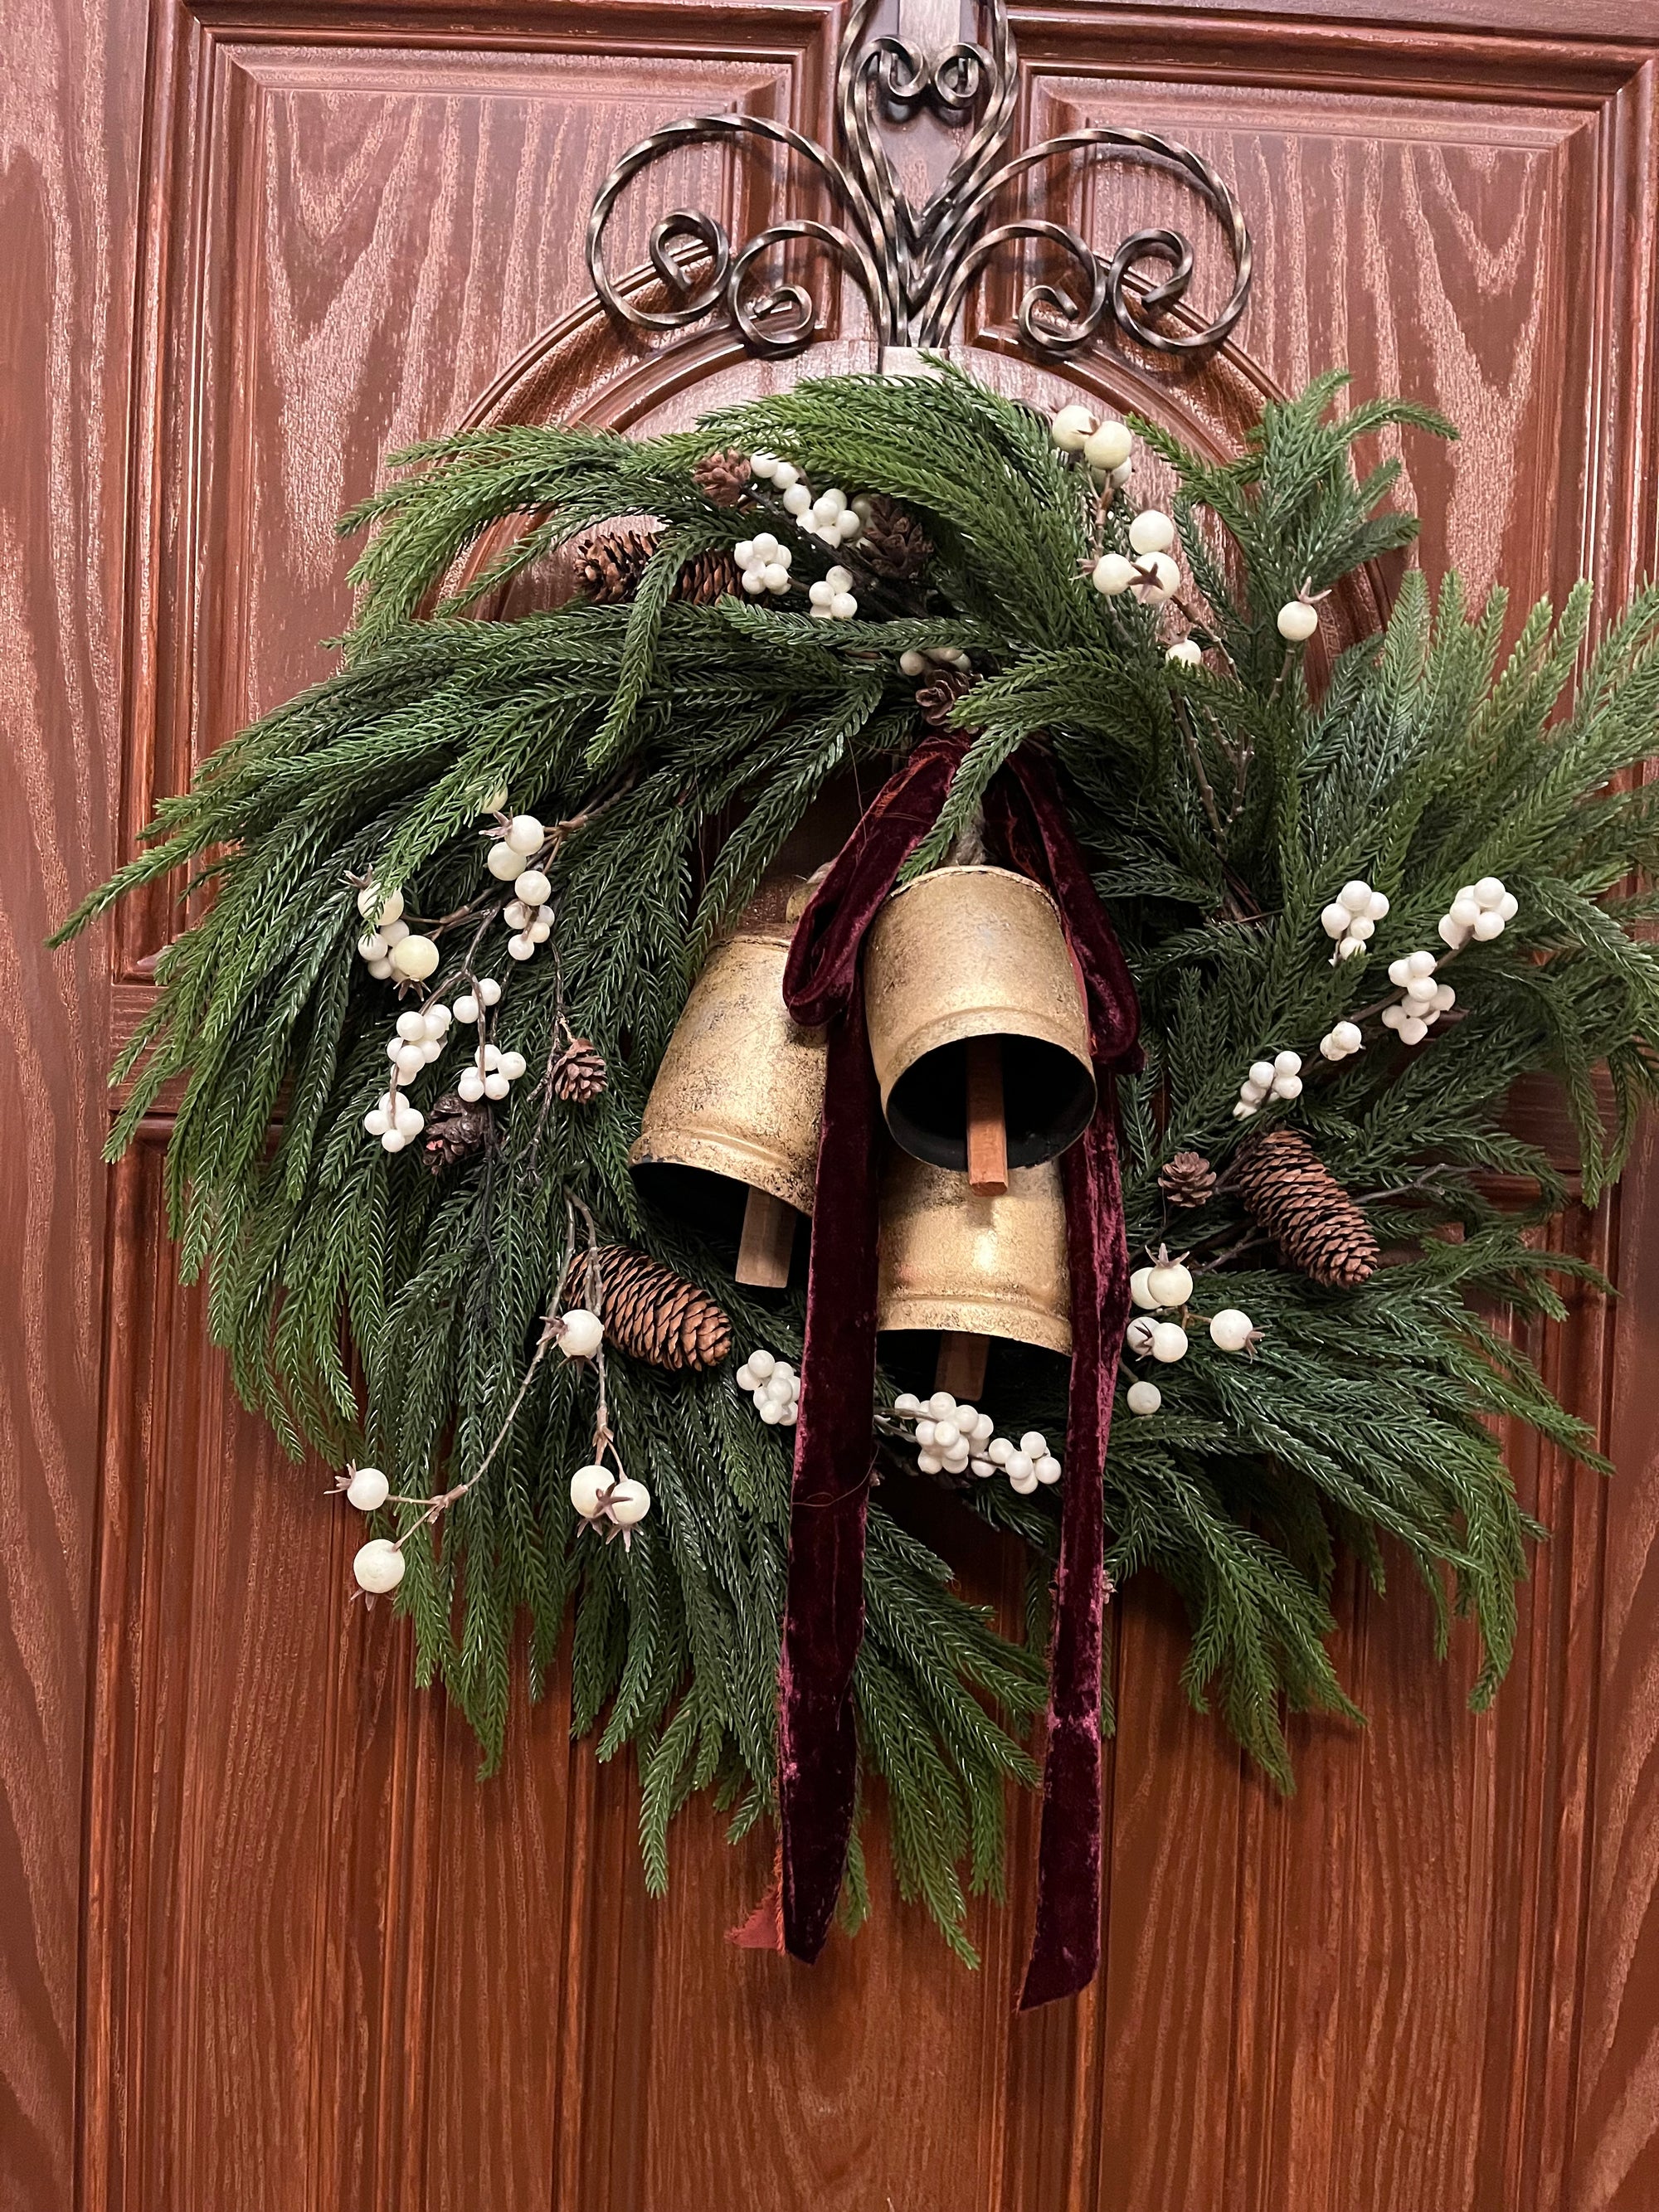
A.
pixel 265 1941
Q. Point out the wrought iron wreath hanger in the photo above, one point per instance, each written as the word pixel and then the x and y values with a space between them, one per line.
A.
pixel 915 264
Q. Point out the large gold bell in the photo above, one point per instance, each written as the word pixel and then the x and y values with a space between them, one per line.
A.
pixel 730 1133
pixel 977 1024
pixel 974 1265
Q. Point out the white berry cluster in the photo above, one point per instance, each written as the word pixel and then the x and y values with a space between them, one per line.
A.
pixel 1163 1287
pixel 1352 918
pixel 958 1439
pixel 918 659
pixel 1153 575
pixel 830 515
pixel 598 1495
pixel 390 947
pixel 831 597
pixel 472 1006
pixel 775 1387
pixel 1106 446
pixel 1277 1078
pixel 1425 1000
pixel 492 1075
pixel 765 564
pixel 417 1041
pixel 1480 911
pixel 526 913
pixel 1342 1041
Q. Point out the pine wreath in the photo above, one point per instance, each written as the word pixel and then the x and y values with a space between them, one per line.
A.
pixel 1270 847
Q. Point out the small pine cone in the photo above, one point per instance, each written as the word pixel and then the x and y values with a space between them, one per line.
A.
pixel 1186 1179
pixel 706 577
pixel 939 695
pixel 892 542
pixel 456 1132
pixel 723 478
pixel 614 564
pixel 1287 1187
pixel 579 1074
pixel 650 1313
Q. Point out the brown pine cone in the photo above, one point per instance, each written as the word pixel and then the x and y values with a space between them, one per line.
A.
pixel 1287 1187
pixel 649 1312
pixel 723 478
pixel 612 572
pixel 456 1132
pixel 1186 1179
pixel 892 542
pixel 706 577
pixel 579 1074
pixel 939 694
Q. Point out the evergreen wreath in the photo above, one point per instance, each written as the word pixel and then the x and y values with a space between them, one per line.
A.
pixel 672 729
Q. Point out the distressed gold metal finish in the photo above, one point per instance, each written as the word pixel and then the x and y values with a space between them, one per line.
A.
pixel 972 1264
pixel 739 1093
pixel 976 952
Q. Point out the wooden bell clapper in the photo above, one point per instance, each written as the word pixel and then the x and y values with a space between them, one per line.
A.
pixel 962 1357
pixel 766 1243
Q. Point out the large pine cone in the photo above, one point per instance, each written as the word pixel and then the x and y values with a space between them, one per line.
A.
pixel 611 572
pixel 650 1313
pixel 1287 1187
pixel 892 542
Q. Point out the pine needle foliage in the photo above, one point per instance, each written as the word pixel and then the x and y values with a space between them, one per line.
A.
pixel 369 1307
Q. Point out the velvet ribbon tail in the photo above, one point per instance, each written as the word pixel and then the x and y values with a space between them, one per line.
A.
pixel 1025 812
pixel 823 1609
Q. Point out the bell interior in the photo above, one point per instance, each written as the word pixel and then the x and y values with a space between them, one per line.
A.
pixel 710 1205
pixel 1047 1097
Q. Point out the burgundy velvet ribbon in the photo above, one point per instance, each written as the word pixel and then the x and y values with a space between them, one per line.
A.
pixel 823 1616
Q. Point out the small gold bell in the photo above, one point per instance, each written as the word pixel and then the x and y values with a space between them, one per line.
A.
pixel 730 1133
pixel 973 1265
pixel 977 1024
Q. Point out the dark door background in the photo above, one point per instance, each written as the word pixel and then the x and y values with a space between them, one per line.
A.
pixel 264 1940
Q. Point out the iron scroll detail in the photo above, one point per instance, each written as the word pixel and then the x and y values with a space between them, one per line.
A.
pixel 913 264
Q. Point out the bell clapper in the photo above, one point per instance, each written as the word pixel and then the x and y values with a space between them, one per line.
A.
pixel 987 1131
pixel 961 1360
pixel 767 1240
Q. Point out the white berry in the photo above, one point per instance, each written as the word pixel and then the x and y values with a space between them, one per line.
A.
pixel 1072 429
pixel 1230 1330
pixel 589 1488
pixel 488 989
pixel 1490 925
pixel 629 1503
pixel 581 1334
pixel 1112 575
pixel 797 499
pixel 1169 1341
pixel 1168 1285
pixel 502 861
pixel 1157 579
pixel 372 904
pixel 378 1567
pixel 466 1007
pixel 1334 920
pixel 524 834
pixel 1348 1035
pixel 1188 653
pixel 1143 1398
pixel 1151 532
pixel 1109 446
pixel 1297 621
pixel 368 1489
pixel 1137 1290
pixel 533 888
pixel 414 958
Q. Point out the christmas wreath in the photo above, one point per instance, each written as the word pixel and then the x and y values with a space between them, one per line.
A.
pixel 1359 894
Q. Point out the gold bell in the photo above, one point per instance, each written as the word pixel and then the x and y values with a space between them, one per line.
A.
pixel 977 1024
pixel 730 1133
pixel 973 1265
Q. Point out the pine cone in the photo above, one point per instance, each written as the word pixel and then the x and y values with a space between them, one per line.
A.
pixel 723 478
pixel 892 542
pixel 706 577
pixel 579 1074
pixel 614 564
pixel 1186 1179
pixel 612 572
pixel 939 695
pixel 457 1131
pixel 1287 1187
pixel 650 1313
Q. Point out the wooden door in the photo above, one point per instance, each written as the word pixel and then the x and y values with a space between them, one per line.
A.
pixel 264 1941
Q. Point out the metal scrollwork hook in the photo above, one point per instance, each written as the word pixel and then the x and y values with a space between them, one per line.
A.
pixel 914 264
